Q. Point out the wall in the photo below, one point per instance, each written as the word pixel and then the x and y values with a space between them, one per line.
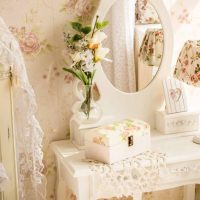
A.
pixel 38 26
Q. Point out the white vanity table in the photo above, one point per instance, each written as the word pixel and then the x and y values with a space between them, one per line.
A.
pixel 183 156
pixel 183 165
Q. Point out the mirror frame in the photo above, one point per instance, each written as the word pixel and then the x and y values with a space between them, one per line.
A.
pixel 142 105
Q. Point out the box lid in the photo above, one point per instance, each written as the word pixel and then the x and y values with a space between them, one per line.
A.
pixel 117 132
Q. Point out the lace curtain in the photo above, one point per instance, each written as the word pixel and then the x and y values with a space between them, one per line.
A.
pixel 121 71
pixel 28 134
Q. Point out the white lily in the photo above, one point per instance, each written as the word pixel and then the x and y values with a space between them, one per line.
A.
pixel 88 56
pixel 89 67
pixel 107 60
pixel 101 53
pixel 96 40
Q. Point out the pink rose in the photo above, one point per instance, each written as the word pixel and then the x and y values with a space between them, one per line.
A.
pixel 183 70
pixel 194 78
pixel 186 62
pixel 83 7
pixel 198 75
pixel 68 78
pixel 29 43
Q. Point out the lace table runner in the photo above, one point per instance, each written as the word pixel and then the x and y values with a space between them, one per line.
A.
pixel 128 177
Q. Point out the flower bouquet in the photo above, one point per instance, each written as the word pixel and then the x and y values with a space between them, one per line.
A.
pixel 85 50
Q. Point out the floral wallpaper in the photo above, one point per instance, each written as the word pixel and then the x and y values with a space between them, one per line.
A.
pixel 38 26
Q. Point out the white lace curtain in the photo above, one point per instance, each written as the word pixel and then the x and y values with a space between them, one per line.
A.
pixel 121 71
pixel 28 133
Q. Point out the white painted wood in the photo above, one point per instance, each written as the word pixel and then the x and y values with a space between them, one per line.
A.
pixel 136 104
pixel 7 143
pixel 138 196
pixel 179 148
pixel 116 104
pixel 181 153
pixel 175 96
pixel 177 123
pixel 189 192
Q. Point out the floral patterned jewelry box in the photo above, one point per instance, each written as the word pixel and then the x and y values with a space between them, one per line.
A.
pixel 118 141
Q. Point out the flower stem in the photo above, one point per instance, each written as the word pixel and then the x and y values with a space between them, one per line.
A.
pixel 93 31
pixel 86 105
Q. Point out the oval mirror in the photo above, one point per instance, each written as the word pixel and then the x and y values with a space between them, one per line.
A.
pixel 136 41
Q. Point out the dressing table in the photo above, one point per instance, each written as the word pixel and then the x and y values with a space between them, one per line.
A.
pixel 183 164
pixel 182 155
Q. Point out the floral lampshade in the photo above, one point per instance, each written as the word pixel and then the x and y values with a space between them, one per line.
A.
pixel 188 64
pixel 151 50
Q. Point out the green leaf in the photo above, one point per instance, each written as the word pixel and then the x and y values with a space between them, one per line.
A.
pixel 93 73
pixel 104 24
pixel 73 72
pixel 101 25
pixel 83 76
pixel 98 25
pixel 86 30
pixel 76 26
pixel 77 37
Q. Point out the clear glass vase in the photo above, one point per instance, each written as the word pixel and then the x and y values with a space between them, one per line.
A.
pixel 88 110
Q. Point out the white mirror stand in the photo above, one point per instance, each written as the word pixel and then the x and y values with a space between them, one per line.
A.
pixel 142 105
pixel 116 104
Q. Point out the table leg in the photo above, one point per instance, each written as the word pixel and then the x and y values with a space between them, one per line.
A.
pixel 60 190
pixel 84 189
pixel 138 196
pixel 189 192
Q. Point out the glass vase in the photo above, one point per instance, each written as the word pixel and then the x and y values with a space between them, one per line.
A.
pixel 88 110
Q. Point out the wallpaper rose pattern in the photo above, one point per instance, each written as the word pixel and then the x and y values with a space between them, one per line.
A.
pixel 29 41
pixel 38 27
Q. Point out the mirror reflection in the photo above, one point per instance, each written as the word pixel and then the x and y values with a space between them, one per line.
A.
pixel 137 43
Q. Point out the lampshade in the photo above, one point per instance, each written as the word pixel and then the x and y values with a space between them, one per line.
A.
pixel 151 50
pixel 188 64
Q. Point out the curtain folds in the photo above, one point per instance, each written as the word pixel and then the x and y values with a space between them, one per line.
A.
pixel 121 34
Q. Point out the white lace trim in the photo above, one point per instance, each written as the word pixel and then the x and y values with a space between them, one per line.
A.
pixel 3 177
pixel 130 176
pixel 29 135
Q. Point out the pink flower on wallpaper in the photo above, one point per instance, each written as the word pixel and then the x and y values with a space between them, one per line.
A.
pixel 183 70
pixel 29 44
pixel 68 78
pixel 83 7
pixel 29 41
pixel 186 62
pixel 184 17
pixel 194 78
